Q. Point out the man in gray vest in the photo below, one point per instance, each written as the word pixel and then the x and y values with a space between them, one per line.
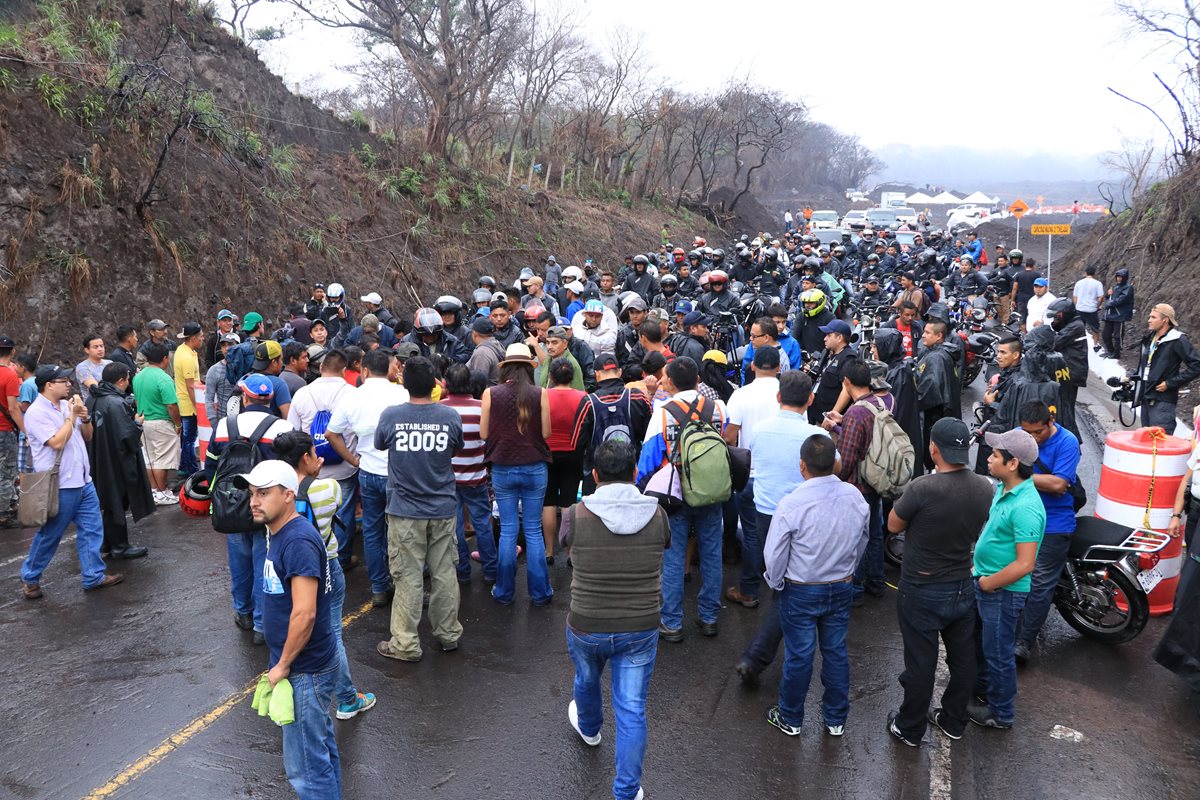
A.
pixel 617 536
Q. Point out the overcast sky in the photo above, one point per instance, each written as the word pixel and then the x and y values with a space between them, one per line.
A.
pixel 1016 75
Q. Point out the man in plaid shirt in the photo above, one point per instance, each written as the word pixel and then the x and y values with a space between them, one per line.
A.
pixel 857 426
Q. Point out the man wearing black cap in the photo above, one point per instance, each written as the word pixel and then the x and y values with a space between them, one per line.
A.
pixel 839 357
pixel 487 353
pixel 157 330
pixel 941 515
pixel 268 361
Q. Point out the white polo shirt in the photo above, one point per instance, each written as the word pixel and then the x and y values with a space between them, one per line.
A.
pixel 359 413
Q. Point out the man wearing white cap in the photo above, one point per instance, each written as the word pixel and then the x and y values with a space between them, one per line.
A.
pixel 375 306
pixel 298 587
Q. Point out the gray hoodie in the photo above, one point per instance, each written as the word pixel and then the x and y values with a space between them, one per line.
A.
pixel 621 507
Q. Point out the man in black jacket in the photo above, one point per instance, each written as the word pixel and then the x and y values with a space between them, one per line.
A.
pixel 901 374
pixel 640 280
pixel 1116 311
pixel 1167 362
pixel 1070 339
pixel 694 342
pixel 939 386
pixel 118 468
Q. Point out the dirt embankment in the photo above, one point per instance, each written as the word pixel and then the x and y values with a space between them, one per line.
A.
pixel 259 193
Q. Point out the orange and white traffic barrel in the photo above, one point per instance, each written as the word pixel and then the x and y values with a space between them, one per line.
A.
pixel 203 430
pixel 1139 479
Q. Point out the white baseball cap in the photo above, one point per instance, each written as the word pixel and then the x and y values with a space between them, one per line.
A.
pixel 373 297
pixel 270 473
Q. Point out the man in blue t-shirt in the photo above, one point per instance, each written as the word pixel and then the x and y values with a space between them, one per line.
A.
pixel 298 587
pixel 1053 475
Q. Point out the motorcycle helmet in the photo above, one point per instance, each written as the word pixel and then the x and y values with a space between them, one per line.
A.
pixel 965 260
pixel 756 244
pixel 868 234
pixel 695 255
pixel 1015 256
pixel 641 260
pixel 927 257
pixel 193 496
pixel 718 277
pixel 447 304
pixel 499 296
pixel 813 301
pixel 707 252
pixel 532 313
pixel 1062 310
pixel 427 321
pixel 771 257
pixel 576 274
pixel 668 280
pixel 487 282
pixel 481 295
pixel 704 281
pixel 813 263
pixel 699 241
pixel 718 256
pixel 335 291
pixel 839 251
pixel 873 258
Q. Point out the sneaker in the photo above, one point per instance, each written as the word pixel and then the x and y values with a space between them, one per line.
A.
pixel 894 731
pixel 983 717
pixel 243 621
pixel 734 594
pixel 163 498
pixel 1021 652
pixel 748 674
pixel 835 730
pixel 260 638
pixel 362 702
pixel 640 795
pixel 937 719
pixel 775 717
pixel 573 716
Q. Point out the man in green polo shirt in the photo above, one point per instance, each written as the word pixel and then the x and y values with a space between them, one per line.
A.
pixel 1004 558
pixel 158 406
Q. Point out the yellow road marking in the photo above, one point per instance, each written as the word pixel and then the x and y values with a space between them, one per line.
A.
pixel 189 731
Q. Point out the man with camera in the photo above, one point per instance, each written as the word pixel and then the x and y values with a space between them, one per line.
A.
pixel 1167 362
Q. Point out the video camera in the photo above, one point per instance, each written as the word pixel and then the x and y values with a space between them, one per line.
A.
pixel 1125 388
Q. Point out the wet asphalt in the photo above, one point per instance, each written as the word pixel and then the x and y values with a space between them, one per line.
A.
pixel 97 682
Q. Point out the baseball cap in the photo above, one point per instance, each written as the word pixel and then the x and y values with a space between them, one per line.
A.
pixel 318 285
pixel 225 313
pixel 157 325
pixel 557 332
pixel 659 314
pixel 837 326
pixel 483 326
pixel 593 307
pixel 1041 282
pixel 695 318
pixel 1018 442
pixel 252 321
pixel 266 474
pixel 635 303
pixel 373 297
pixel 406 350
pixel 49 372
pixel 6 341
pixel 607 361
pixel 872 279
pixel 369 322
pixel 230 338
pixel 266 352
pixel 953 438
pixel 256 385
pixel 684 307
pixel 766 358
pixel 574 286
pixel 189 329
pixel 316 322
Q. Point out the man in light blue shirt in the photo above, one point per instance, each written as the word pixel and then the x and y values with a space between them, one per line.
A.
pixel 773 451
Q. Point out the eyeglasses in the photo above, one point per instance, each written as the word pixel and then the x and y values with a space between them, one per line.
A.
pixel 758 336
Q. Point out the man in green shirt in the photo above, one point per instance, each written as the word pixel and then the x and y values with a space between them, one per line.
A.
pixel 158 406
pixel 557 345
pixel 1004 558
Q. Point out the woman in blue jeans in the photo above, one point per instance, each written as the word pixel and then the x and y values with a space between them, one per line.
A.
pixel 514 423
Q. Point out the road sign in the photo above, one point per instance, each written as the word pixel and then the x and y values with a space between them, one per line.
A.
pixel 1050 230
pixel 1018 208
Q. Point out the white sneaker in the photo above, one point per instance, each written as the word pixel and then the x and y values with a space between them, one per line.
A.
pixel 835 730
pixel 640 795
pixel 165 499
pixel 573 716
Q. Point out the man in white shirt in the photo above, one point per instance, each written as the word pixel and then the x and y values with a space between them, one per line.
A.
pixel 1039 304
pixel 1088 295
pixel 358 415
pixel 749 406
pixel 312 411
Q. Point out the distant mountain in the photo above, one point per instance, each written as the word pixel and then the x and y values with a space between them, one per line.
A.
pixel 1059 177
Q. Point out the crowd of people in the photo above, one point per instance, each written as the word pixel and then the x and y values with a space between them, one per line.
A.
pixel 590 415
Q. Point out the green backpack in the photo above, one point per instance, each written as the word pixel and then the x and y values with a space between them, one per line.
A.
pixel 700 454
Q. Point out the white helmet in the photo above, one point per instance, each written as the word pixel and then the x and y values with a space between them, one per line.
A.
pixel 335 290
pixel 572 272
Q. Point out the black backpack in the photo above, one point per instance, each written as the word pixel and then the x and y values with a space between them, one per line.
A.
pixel 230 503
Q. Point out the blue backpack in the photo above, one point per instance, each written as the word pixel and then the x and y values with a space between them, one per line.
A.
pixel 239 361
pixel 317 430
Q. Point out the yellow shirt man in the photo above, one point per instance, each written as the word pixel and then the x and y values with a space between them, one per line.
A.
pixel 187 365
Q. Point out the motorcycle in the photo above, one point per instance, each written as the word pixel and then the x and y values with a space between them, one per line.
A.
pixel 1110 571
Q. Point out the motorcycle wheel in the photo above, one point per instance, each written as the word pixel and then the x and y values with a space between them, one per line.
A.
pixel 1127 414
pixel 1119 608
pixel 972 372
pixel 893 548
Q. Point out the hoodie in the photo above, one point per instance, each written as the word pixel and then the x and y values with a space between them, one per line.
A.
pixel 621 507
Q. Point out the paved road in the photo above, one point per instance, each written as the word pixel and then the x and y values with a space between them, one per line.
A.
pixel 134 692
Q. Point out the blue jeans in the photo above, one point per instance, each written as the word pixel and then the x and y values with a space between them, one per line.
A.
pixel 374 529
pixel 752 542
pixel 709 533
pixel 82 507
pixel 247 554
pixel 812 615
pixel 187 443
pixel 632 658
pixel 762 649
pixel 345 516
pixel 344 690
pixel 310 752
pixel 523 485
pixel 473 501
pixel 1051 555
pixel 995 635
pixel 869 574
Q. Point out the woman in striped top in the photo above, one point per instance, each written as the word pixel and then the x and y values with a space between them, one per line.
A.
pixel 470 477
pixel 318 500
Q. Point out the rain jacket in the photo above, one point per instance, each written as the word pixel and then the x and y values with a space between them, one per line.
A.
pixel 118 469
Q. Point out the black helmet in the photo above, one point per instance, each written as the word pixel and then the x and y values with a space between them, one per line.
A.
pixel 813 263
pixel 1062 307
pixel 718 256
pixel 640 259
pixel 487 281
pixel 926 257
pixel 447 304
pixel 695 254
pixel 668 280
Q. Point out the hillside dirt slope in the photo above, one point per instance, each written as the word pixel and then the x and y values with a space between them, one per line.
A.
pixel 258 194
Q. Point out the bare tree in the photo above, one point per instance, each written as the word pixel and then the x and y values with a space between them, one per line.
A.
pixel 1134 163
pixel 455 50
